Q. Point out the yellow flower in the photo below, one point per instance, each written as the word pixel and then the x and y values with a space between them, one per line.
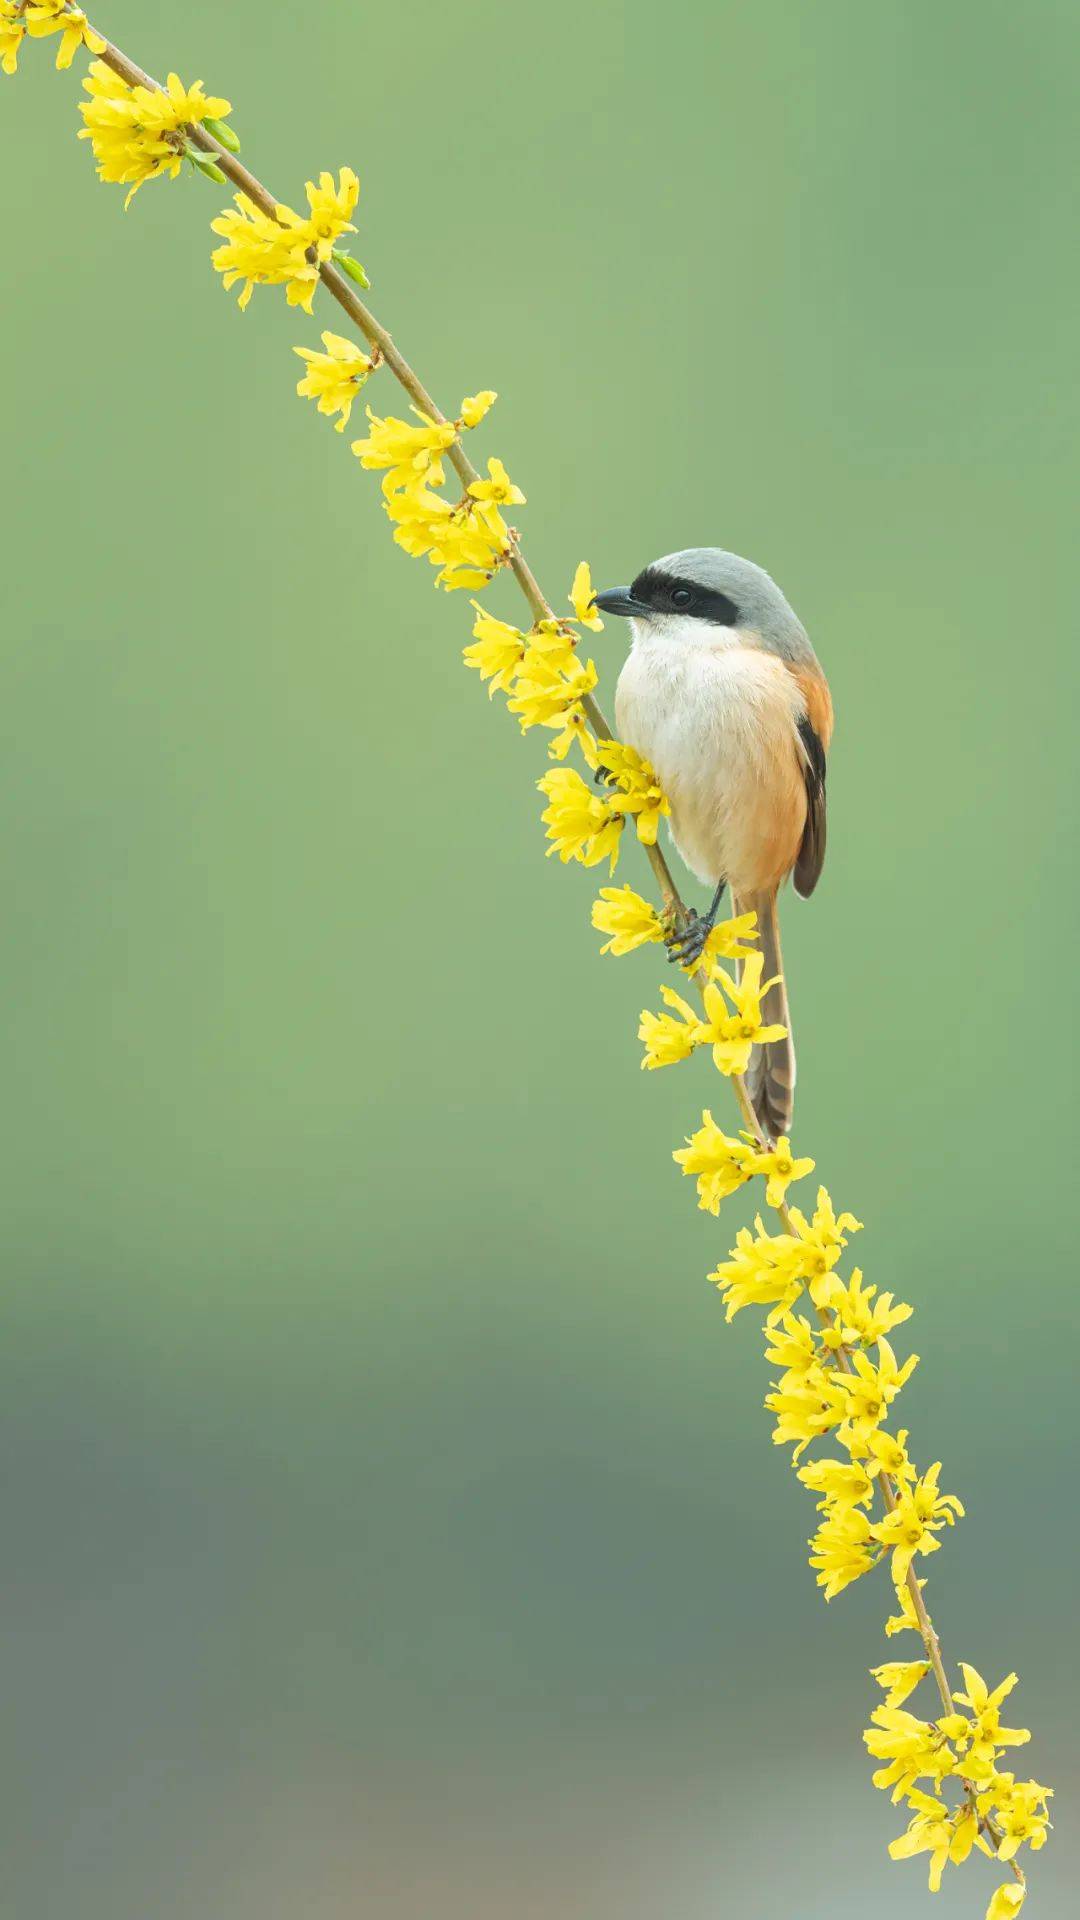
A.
pixel 900 1679
pixel 870 1391
pixel 286 249
pixel 545 693
pixel 334 378
pixel 823 1239
pixel 628 918
pixel 725 942
pixel 1019 1809
pixel 907 1619
pixel 887 1453
pixel 762 1270
pixel 466 542
pixel 841 1550
pixel 140 132
pixel 498 489
pixel 1007 1901
pixel 575 730
pixel 785 1261
pixel 498 651
pixel 780 1168
pixel 914 1750
pixel 733 1035
pixel 420 514
pixel 920 1512
pixel 583 599
pixel 579 824
pixel 12 34
pixel 668 1038
pixel 805 1406
pixel 943 1835
pixel 859 1319
pixel 720 1164
pixel 470 543
pixel 987 1735
pixel 329 208
pixel 842 1483
pixel 552 642
pixel 639 791
pixel 405 452
pixel 56 16
pixel 474 408
pixel 792 1347
pixel 259 252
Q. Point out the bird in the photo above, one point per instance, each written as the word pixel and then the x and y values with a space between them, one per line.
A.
pixel 724 695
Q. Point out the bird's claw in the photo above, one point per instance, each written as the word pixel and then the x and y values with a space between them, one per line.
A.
pixel 686 945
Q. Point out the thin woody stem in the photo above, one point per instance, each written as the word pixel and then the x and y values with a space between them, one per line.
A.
pixel 341 289
pixel 889 1496
pixel 888 1485
pixel 376 335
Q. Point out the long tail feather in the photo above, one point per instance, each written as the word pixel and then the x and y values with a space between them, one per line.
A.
pixel 770 1077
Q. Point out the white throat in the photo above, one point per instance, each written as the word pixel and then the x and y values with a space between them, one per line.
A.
pixel 675 631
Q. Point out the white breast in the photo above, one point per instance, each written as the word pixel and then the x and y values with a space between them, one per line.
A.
pixel 717 717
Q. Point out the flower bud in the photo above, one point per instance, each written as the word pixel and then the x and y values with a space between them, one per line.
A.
pixel 350 267
pixel 207 166
pixel 223 133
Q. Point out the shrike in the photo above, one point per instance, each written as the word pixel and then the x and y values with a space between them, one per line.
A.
pixel 724 694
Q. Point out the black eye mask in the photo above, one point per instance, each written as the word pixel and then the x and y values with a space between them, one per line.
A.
pixel 667 593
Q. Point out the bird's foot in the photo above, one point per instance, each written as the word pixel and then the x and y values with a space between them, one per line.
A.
pixel 686 945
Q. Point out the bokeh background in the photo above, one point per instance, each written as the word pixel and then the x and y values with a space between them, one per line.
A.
pixel 391 1524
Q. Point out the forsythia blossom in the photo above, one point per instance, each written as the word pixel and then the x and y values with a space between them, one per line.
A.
pixel 583 599
pixel 138 133
pixel 726 941
pixel 286 249
pixel 497 651
pixel 39 18
pixel 476 406
pixel 669 1037
pixel 334 377
pixel 629 919
pixel 579 824
pixel 722 1165
pixel 498 489
pixel 734 1034
pixel 636 789
pixel 466 540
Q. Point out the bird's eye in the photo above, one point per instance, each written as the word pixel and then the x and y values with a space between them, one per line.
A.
pixel 681 596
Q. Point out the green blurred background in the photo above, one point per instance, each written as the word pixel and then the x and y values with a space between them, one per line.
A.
pixel 392 1525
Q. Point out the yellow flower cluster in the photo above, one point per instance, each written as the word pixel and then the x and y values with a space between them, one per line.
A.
pixel 991 1810
pixel 732 1025
pixel 36 20
pixel 138 133
pixel 721 1165
pixel 837 1377
pixel 838 1380
pixel 466 539
pixel 285 249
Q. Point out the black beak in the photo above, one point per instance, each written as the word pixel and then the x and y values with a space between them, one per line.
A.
pixel 620 600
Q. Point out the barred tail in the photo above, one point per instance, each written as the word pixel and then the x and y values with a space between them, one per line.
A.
pixel 770 1077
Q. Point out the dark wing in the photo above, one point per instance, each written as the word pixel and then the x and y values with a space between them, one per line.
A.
pixel 811 856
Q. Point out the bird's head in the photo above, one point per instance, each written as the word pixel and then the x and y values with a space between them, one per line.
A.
pixel 705 596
